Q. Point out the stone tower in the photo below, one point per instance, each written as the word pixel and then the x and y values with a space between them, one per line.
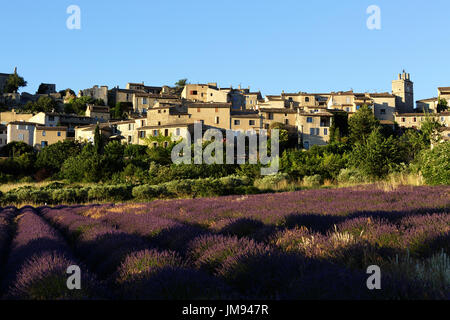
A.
pixel 403 89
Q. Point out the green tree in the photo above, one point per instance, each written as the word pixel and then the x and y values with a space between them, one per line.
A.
pixel 362 124
pixel 435 164
pixel 53 156
pixel 98 140
pixel 14 82
pixel 120 110
pixel 376 155
pixel 339 126
pixel 442 105
pixel 15 149
pixel 43 104
pixel 181 83
pixel 430 129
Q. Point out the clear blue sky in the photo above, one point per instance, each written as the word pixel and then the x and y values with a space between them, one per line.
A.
pixel 312 46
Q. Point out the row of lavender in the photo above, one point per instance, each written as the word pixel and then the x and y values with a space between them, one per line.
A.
pixel 205 249
pixel 38 259
pixel 359 239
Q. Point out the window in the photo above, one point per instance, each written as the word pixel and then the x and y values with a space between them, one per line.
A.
pixel 177 131
pixel 43 133
pixel 21 137
pixel 159 123
pixel 51 118
pixel 382 111
pixel 325 131
pixel 307 99
pixel 198 109
pixel 44 144
pixel 309 119
pixel 194 92
pixel 166 132
pixel 357 107
pixel 251 122
pixel 347 109
pixel 217 120
pixel 286 121
pixel 414 119
pixel 21 127
pixel 403 119
pixel 130 126
pixel 270 116
pixel 155 133
pixel 59 133
pixel 306 145
pixel 312 131
pixel 237 122
pixel 144 100
pixel 155 144
pixel 159 111
pixel 129 139
pixel 141 134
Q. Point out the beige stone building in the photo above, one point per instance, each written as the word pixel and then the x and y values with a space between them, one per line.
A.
pixel 246 121
pixel 403 89
pixel 314 127
pixel 414 120
pixel 21 131
pixel 172 131
pixel 98 113
pixel 427 105
pixel 143 102
pixel 210 114
pixel 34 134
pixel 444 93
pixel 10 116
pixel 96 92
pixel 45 136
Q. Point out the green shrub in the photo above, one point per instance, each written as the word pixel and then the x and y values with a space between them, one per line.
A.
pixel 271 182
pixel 435 164
pixel 351 175
pixel 179 188
pixel 148 192
pixel 312 181
pixel 107 192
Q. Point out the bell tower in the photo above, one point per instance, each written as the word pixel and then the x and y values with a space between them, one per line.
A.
pixel 403 90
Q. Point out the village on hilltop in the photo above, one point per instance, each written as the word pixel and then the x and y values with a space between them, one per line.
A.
pixel 139 111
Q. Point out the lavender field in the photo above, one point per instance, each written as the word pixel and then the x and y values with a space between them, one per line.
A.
pixel 313 244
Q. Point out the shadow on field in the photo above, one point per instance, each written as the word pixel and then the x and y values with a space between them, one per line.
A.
pixel 323 223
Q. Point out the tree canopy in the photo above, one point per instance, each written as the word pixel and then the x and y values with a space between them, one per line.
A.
pixel 361 124
pixel 14 82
